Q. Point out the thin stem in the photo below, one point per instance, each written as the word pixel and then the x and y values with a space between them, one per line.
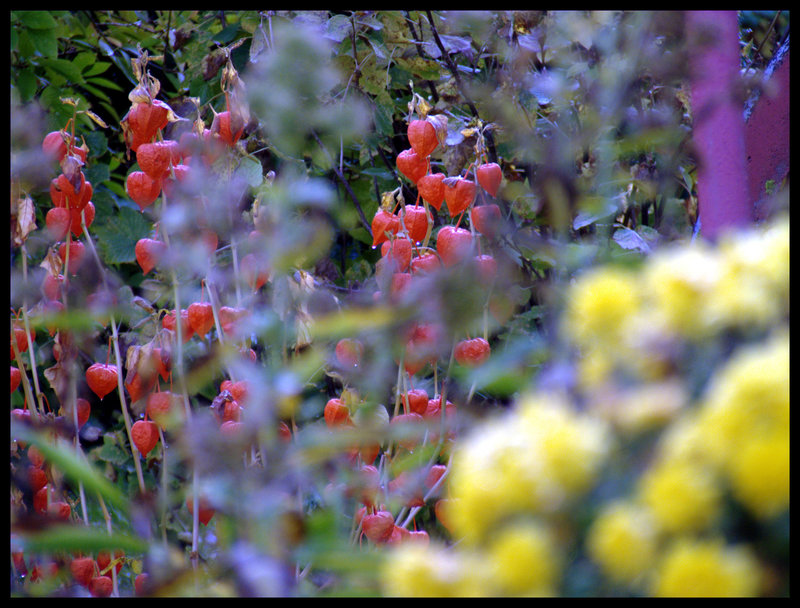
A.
pixel 183 390
pixel 26 386
pixel 164 485
pixel 118 360
pixel 107 519
pixel 126 416
pixel 74 399
pixel 31 345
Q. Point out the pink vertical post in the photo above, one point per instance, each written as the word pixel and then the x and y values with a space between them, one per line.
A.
pixel 717 113
pixel 767 136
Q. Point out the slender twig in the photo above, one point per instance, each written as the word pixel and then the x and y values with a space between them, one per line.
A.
pixel 422 55
pixel 346 185
pixel 766 36
pixel 459 84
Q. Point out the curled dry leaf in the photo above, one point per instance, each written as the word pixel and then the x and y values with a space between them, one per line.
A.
pixel 24 220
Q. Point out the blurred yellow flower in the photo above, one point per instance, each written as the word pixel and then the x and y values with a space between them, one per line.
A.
pixel 414 570
pixel 523 561
pixel 531 460
pixel 678 282
pixel 701 568
pixel 497 472
pixel 752 288
pixel 573 444
pixel 681 495
pixel 748 397
pixel 640 408
pixel 759 474
pixel 773 261
pixel 623 541
pixel 684 439
pixel 598 304
pixel 594 368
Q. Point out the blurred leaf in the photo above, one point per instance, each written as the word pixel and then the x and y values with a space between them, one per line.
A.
pixel 350 322
pixel 594 210
pixel 68 539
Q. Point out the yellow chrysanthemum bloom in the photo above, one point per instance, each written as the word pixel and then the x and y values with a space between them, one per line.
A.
pixel 748 397
pixel 759 474
pixel 623 541
pixel 700 568
pixel 497 472
pixel 414 570
pixel 682 496
pixel 752 288
pixel 598 304
pixel 531 460
pixel 523 561
pixel 677 283
pixel 573 444
pixel 740 298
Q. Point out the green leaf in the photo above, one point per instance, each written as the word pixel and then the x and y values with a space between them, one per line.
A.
pixel 117 238
pixel 76 469
pixel 377 172
pixel 383 120
pixel 36 20
pixel 111 452
pixel 84 61
pixel 97 173
pixel 26 83
pixel 250 171
pixel 630 239
pixel 104 204
pixel 66 68
pixel 98 67
pixel 45 42
pixel 98 145
pixel 105 83
pixel 338 28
